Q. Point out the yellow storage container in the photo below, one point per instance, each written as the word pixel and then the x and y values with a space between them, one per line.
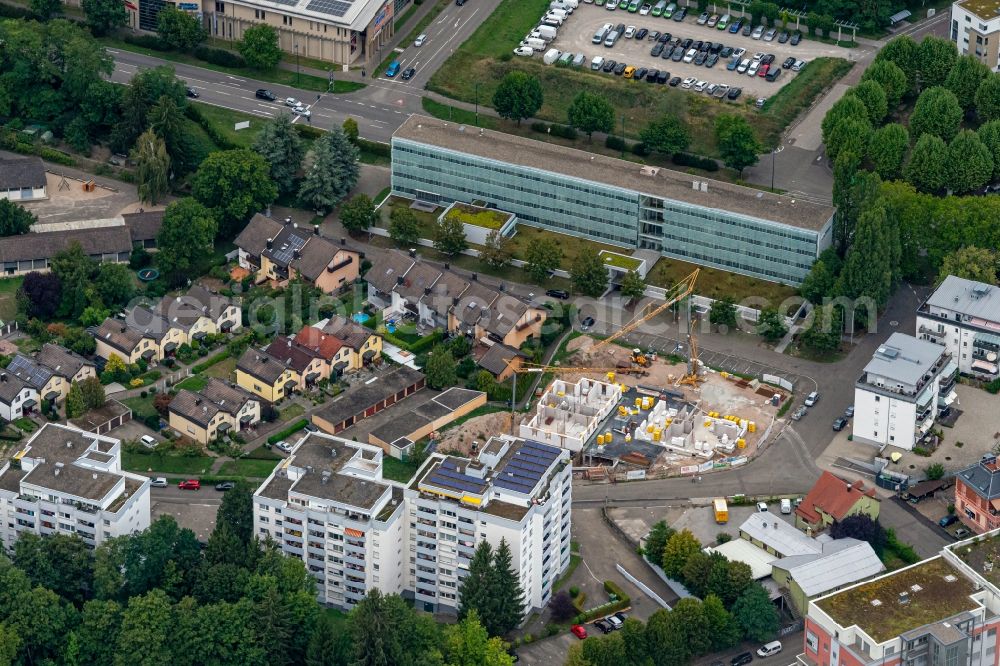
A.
pixel 752 427
pixel 650 428
pixel 638 402
pixel 628 438
pixel 611 377
pixel 656 436
pixel 600 440
pixel 741 443
pixel 708 424
pixel 607 437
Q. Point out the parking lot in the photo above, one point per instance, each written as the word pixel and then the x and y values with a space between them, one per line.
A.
pixel 577 32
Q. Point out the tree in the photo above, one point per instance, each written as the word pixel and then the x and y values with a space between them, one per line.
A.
pixel 45 9
pixel 680 546
pixel 755 614
pixel 10 644
pixel 588 273
pixel 235 184
pixel 970 165
pixel 39 294
pixel 737 143
pixel 722 313
pixel 892 79
pixel 848 107
pixel 350 128
pixel 988 98
pixel 358 213
pixel 561 607
pixel 449 236
pixel 518 96
pixel 147 87
pixel 333 174
pixel 75 405
pixel 824 334
pixel 440 368
pixel 281 147
pixel 57 562
pixel 927 168
pixel 656 542
pixel 591 112
pixel 161 403
pixel 633 286
pixel 236 513
pixel 506 594
pixel 933 472
pixel 93 315
pixel 185 237
pixel 259 47
pixel 771 325
pixel 964 79
pixel 474 592
pixel 166 120
pixel 936 58
pixel 666 639
pixel 972 263
pixel 75 271
pixel 873 96
pixel 468 644
pixel 989 134
pixel 887 149
pixel 850 135
pixel 180 30
pixel 93 393
pixel 146 631
pixel 869 269
pixel 103 16
pixel 936 112
pixel 666 135
pixel 328 644
pixel 822 278
pixel 696 571
pixel 496 251
pixel 152 167
pixel 542 257
pixel 403 226
pixel 14 219
pixel 722 628
pixel 862 527
pixel 113 285
pixel 902 52
pixel 693 624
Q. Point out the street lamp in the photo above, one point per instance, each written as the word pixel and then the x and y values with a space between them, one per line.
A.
pixel 623 137
pixel 772 169
pixel 296 63
pixel 477 117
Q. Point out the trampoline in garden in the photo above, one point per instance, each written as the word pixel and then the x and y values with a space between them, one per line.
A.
pixel 148 274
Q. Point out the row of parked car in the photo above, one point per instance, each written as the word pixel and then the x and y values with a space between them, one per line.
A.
pixel 605 624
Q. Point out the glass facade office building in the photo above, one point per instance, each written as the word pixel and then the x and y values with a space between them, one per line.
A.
pixel 610 212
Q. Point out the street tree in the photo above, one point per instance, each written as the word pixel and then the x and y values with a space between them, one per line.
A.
pixel 848 107
pixel 496 251
pixel 680 546
pixel 234 184
pixel 936 112
pixel 970 164
pixel 668 134
pixel 185 237
pixel 964 79
pixel 666 639
pixel 852 187
pixel 902 52
pixel 824 334
pixel 518 96
pixel 771 325
pixel 822 278
pixel 403 226
pixel 936 57
pixel 333 174
pixel 449 236
pixel 542 257
pixel 850 135
pixel 46 9
pixel 75 271
pixel 350 128
pixel 39 294
pixel 14 219
pixel 887 150
pixel 146 88
pixel 103 16
pixel 591 112
pixel 873 96
pixel 588 273
pixel 358 213
pixel 755 614
pixel 656 542
pixel 988 99
pixel 927 167
pixel 722 314
pixel 736 141
pixel 633 286
pixel 152 167
pixel 722 630
pixel 179 29
pixel 282 148
pixel 989 134
pixel 691 620
pixel 259 47
pixel 871 263
pixel 971 263
pixel 892 79
pixel 440 369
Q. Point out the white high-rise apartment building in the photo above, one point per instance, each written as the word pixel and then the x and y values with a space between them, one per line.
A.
pixel 69 481
pixel 356 531
pixel 964 316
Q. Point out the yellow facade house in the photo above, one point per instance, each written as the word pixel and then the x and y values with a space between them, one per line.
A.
pixel 115 336
pixel 215 410
pixel 265 376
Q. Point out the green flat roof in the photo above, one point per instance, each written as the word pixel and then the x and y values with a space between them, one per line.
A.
pixel 620 260
pixel 478 217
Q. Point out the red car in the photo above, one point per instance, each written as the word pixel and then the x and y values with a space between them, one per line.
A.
pixel 763 70
pixel 579 631
pixel 190 484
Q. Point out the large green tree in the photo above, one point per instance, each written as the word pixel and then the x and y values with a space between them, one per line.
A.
pixel 722 313
pixel 506 593
pixel 887 150
pixel 333 174
pixel 259 46
pixel 736 141
pixel 972 263
pixel 680 546
pixel 496 251
pixel 964 79
pixel 848 107
pixel 114 285
pixel 927 167
pixel 75 271
pixel 668 134
pixel 358 213
pixel 988 98
pixel 771 325
pixel 440 368
pixel 152 171
pixel 935 59
pixel 103 16
pixel 936 112
pixel 403 226
pixel 822 277
pixel 901 51
pixel 475 589
pixel 970 164
pixel 588 273
pixel 541 258
pixel 872 263
pixel 46 9
pixel 892 79
pixel 873 96
pixel 722 628
pixel 633 286
pixel 147 87
pixel 852 187
pixel 469 644
pixel 591 112
pixel 282 148
pixel 14 219
pixel 850 135
pixel 518 96
pixel 235 184
pixel 328 645
pixel 166 120
pixel 989 134
pixel 449 236
pixel 179 29
pixel 58 562
pixel 656 542
pixel 755 614
pixel 185 237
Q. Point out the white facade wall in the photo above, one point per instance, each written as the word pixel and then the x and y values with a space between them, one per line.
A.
pixel 882 420
pixel 975 36
pixel 24 194
pixel 15 409
pixel 958 339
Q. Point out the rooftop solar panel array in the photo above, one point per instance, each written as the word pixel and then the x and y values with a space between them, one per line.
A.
pixel 446 475
pixel 33 373
pixel 290 3
pixel 525 467
pixel 286 252
pixel 332 7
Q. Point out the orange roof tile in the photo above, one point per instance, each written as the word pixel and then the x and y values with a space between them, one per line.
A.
pixel 832 495
pixel 322 343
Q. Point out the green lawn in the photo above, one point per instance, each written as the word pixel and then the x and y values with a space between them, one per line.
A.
pixel 141 407
pixel 8 297
pixel 224 121
pixel 222 369
pixel 477 217
pixel 457 115
pixel 292 411
pixel 188 465
pixel 397 470
pixel 25 424
pixel 248 467
pixel 192 383
pixel 714 283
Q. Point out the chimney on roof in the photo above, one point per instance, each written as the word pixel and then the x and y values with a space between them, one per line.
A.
pixel 399 280
pixel 270 243
pixel 849 487
pixel 447 266
pixel 475 276
pixel 197 401
pixel 316 230
pixel 296 254
pixel 288 220
pixel 413 252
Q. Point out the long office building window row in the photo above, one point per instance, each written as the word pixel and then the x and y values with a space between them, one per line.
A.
pixel 727 263
pixel 711 235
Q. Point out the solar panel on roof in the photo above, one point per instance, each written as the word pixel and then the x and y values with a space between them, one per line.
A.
pixel 527 464
pixel 516 487
pixel 332 7
pixel 444 483
pixel 286 2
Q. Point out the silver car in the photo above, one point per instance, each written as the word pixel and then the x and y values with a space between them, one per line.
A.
pixel 769 35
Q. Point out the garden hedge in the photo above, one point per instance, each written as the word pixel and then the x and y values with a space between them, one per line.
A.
pixel 290 430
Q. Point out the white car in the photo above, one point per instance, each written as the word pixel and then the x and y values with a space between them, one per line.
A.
pixel 419 41
pixel 302 111
pixel 690 55
pixel 688 82
pixel 630 32
pixel 597 63
pixel 758 56
pixel 742 69
pixel 700 86
pixel 799 64
pixel 283 446
pixel 611 5
pixel 711 88
pixel 738 53
pixel 292 102
pixel 148 441
pixel 614 621
pixel 752 69
pixel 524 51
pixel 768 649
pixel 757 33
pixel 644 10
pixel 159 482
pixel 762 507
pixel 812 399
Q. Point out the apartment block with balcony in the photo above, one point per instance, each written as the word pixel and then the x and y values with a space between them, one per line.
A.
pixel 975 29
pixel 516 490
pixel 902 390
pixel 68 481
pixel 964 316
pixel 943 611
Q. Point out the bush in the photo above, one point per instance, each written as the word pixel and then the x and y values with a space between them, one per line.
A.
pixel 640 149
pixel 308 131
pixel 57 156
pixel 615 142
pixel 9 11
pixel 375 147
pixel 147 42
pixel 574 591
pixel 222 57
pixel 564 131
pixel 287 432
pixel 152 421
pixel 723 537
pixel 205 365
pixel 217 137
pixel 696 161
pixel 539 126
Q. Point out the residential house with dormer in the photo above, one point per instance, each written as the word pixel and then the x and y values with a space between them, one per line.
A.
pixel 216 409
pixel 265 376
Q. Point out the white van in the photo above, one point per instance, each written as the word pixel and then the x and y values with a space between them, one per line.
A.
pixel 535 44
pixel 561 13
pixel 546 32
pixel 572 3
pixel 560 6
pixel 610 40
pixel 551 56
pixel 555 20
pixel 769 649
pixel 601 33
pixel 786 506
